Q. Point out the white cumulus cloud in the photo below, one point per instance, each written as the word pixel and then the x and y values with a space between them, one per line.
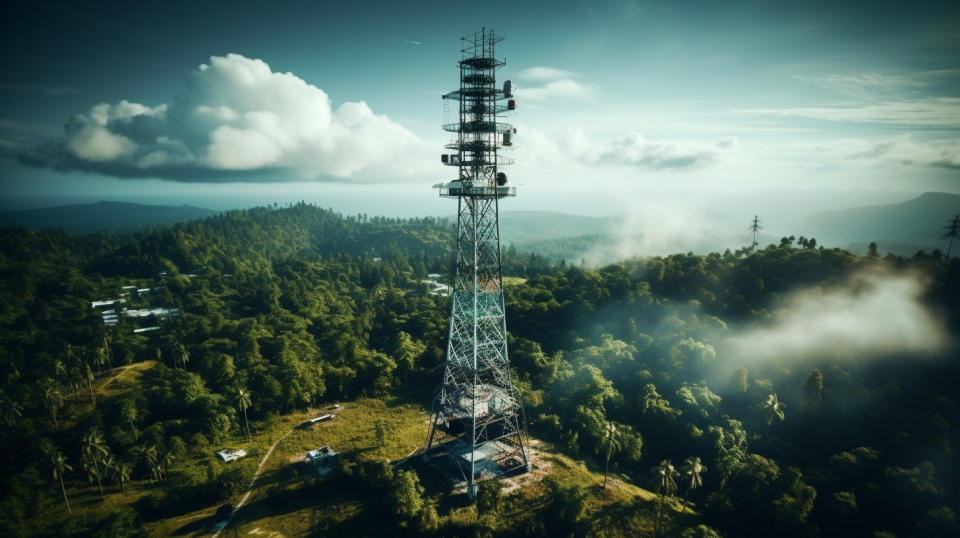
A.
pixel 237 118
pixel 541 73
pixel 552 84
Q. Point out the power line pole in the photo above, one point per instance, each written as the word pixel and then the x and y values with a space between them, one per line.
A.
pixel 755 227
pixel 953 231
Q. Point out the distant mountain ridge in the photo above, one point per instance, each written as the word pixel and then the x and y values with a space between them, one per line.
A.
pixel 902 228
pixel 102 216
pixel 520 226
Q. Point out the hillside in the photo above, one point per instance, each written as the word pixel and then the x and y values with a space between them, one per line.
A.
pixel 598 241
pixel 102 216
pixel 902 228
pixel 779 391
pixel 520 226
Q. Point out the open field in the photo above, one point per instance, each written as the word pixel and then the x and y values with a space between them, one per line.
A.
pixel 288 498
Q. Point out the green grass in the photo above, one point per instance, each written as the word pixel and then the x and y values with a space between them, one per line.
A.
pixel 121 379
pixel 289 499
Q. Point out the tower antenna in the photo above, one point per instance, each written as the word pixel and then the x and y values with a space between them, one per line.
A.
pixel 477 412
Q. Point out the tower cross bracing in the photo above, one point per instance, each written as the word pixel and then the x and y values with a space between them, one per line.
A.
pixel 477 412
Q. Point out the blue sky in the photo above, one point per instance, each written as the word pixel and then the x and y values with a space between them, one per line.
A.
pixel 767 105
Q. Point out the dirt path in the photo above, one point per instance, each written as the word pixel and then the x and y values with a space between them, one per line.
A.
pixel 252 482
pixel 116 377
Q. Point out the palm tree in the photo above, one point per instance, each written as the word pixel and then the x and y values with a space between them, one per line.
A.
pixel 60 466
pixel 157 472
pixel 121 471
pixel 73 370
pixel 111 467
pixel 99 358
pixel 53 400
pixel 60 369
pixel 184 356
pixel 92 467
pixel 243 402
pixel 105 346
pixel 95 451
pixel 12 410
pixel 774 408
pixel 76 382
pixel 666 485
pixel 166 461
pixel 130 413
pixel 89 377
pixel 613 445
pixel 692 471
pixel 149 455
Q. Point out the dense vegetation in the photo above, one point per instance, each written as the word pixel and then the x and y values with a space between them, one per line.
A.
pixel 625 366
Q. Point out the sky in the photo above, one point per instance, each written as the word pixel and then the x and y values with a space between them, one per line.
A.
pixel 776 108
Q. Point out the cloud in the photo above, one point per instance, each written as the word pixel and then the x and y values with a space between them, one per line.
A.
pixel 15 135
pixel 236 119
pixel 543 73
pixel 923 98
pixel 876 313
pixel 411 42
pixel 633 149
pixel 933 112
pixel 905 150
pixel 867 86
pixel 909 151
pixel 557 89
pixel 554 84
pixel 883 86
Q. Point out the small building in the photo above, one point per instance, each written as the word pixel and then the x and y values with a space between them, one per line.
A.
pixel 231 454
pixel 322 459
pixel 315 420
pixel 321 455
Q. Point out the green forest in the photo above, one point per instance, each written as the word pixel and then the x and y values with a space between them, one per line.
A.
pixel 780 390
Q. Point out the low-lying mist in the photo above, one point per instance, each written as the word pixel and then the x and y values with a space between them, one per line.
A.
pixel 660 228
pixel 875 313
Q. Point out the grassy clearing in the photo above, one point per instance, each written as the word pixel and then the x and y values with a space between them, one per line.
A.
pixel 621 505
pixel 514 281
pixel 110 383
pixel 121 379
pixel 289 499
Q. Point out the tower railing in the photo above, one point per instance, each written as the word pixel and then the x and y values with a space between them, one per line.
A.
pixel 477 412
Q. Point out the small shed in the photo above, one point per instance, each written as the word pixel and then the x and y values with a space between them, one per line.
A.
pixel 231 454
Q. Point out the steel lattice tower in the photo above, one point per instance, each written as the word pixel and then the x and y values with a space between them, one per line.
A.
pixel 478 413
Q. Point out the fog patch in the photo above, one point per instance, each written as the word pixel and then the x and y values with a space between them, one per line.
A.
pixel 876 313
pixel 660 228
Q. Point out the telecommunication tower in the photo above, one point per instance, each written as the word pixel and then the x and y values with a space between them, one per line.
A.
pixel 477 413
